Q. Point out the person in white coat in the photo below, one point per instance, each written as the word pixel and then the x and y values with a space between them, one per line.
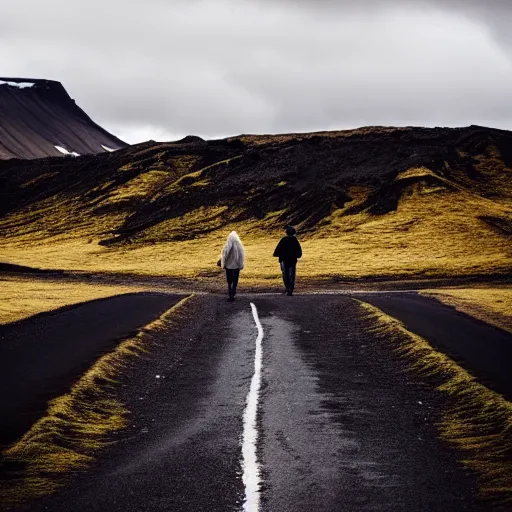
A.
pixel 232 260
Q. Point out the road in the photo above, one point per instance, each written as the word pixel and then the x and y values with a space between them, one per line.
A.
pixel 340 426
pixel 484 351
pixel 42 356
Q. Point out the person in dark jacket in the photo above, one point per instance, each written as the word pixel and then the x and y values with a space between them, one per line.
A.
pixel 288 250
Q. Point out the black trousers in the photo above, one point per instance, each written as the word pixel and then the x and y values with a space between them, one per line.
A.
pixel 288 271
pixel 232 275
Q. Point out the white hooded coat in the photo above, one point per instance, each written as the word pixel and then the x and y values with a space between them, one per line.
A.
pixel 233 254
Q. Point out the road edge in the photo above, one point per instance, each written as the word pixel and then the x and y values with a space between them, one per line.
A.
pixel 77 425
pixel 476 421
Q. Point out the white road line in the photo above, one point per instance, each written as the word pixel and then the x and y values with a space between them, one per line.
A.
pixel 251 474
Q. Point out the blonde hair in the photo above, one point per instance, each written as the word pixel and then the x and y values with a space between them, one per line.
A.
pixel 233 251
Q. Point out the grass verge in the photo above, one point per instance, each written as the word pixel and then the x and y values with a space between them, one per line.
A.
pixel 476 420
pixel 76 425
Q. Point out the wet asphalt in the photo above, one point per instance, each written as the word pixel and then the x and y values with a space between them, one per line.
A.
pixel 341 426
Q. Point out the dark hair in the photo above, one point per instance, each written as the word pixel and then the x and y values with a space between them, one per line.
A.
pixel 290 230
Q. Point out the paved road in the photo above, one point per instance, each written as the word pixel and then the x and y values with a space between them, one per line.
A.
pixel 41 357
pixel 483 350
pixel 340 425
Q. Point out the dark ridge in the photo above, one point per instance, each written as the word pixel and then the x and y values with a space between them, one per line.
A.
pixel 35 119
pixel 317 171
pixel 190 139
pixel 303 176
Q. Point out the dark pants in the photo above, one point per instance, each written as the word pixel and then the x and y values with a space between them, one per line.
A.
pixel 232 278
pixel 288 271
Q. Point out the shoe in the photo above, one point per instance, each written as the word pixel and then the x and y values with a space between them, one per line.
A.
pixel 231 299
pixel 289 293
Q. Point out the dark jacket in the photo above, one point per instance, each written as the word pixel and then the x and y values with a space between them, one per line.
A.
pixel 288 250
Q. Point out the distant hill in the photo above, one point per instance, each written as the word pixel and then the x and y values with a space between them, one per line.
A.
pixel 39 119
pixel 368 202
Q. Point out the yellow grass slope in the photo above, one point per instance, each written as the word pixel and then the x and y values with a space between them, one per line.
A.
pixel 440 226
pixel 436 230
pixel 432 233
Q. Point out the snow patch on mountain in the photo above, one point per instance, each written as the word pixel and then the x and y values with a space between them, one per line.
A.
pixel 20 85
pixel 66 152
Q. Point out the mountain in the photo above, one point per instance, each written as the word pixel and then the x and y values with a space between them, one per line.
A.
pixel 368 202
pixel 39 119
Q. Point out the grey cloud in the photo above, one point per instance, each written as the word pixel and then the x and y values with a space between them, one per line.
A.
pixel 219 67
pixel 496 15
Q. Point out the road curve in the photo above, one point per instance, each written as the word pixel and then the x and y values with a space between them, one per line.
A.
pixel 340 425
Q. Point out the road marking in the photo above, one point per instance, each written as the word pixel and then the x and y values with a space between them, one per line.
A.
pixel 251 468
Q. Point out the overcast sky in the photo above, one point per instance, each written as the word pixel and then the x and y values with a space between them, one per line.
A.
pixel 163 69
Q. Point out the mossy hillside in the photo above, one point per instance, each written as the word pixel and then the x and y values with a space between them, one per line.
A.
pixel 369 202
